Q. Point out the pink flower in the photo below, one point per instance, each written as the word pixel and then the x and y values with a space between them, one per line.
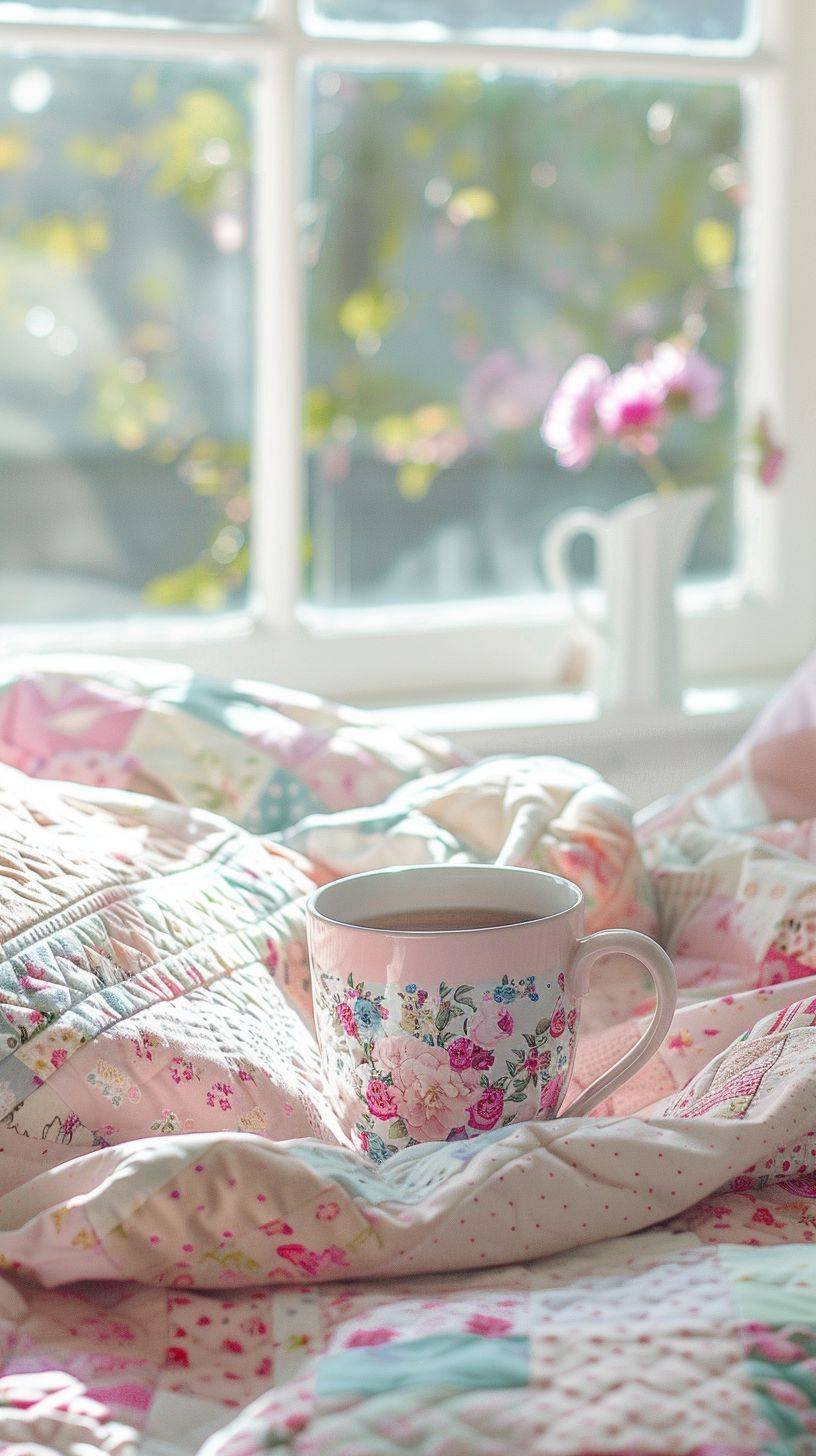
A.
pixel 784 1392
pixel 689 378
pixel 570 423
pixel 223 1101
pixel 486 1112
pixel 770 465
pixel 489 1023
pixel 307 1260
pixel 550 1096
pixel 741 1183
pixel 775 1348
pixel 275 1226
pixel 487 1324
pixel 770 456
pixel 504 394
pixel 460 1052
pixel 572 1019
pixel 631 407
pixel 327 1211
pixel 380 1335
pixel 346 1015
pixel 380 1100
pixel 558 1021
pixel 431 1095
pixel 58 1057
pixel 482 1059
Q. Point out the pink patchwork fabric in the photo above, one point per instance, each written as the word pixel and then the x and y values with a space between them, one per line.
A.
pixel 192 1263
pixel 153 962
pixel 263 756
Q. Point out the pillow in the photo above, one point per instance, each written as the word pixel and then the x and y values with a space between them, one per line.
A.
pixel 152 962
pixel 261 756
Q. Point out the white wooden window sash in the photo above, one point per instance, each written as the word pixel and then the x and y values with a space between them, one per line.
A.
pixel 758 621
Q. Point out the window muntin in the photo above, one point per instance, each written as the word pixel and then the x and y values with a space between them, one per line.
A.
pixel 668 23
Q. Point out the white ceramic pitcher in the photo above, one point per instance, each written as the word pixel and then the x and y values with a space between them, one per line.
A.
pixel 641 549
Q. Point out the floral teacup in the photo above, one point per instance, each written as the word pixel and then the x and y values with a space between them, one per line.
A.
pixel 440 1034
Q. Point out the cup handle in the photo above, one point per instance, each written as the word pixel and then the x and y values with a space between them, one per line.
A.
pixel 554 558
pixel 657 963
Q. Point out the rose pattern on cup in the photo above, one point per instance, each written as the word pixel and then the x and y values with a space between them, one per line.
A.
pixel 415 1065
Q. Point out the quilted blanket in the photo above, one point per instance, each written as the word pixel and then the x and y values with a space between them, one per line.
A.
pixel 194 1262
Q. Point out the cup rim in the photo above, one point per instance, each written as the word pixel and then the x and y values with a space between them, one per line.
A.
pixel 316 914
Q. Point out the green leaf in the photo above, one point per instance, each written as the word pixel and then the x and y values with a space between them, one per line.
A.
pixel 397 1128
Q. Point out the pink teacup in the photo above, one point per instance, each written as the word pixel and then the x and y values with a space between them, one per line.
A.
pixel 441 1033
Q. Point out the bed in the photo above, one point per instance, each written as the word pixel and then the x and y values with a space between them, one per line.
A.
pixel 192 1260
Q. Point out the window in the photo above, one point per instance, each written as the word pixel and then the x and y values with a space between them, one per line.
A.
pixel 126 327
pixel 284 293
pixel 529 220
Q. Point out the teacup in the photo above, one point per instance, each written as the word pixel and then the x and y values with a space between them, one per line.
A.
pixel 458 1027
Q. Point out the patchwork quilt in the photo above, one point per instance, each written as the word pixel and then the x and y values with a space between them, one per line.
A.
pixel 193 1261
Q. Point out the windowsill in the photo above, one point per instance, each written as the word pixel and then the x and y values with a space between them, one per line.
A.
pixel 647 753
pixel 695 598
pixel 699 706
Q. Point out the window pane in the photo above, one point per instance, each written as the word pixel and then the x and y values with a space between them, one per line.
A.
pixel 125 337
pixel 125 12
pixel 468 239
pixel 592 20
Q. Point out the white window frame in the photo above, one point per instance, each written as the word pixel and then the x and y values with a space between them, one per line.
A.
pixel 757 623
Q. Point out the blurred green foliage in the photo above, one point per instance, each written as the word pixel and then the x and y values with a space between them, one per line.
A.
pixel 471 219
pixel 124 277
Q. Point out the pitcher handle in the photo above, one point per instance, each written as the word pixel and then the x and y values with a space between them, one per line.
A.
pixel 555 547
pixel 626 942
